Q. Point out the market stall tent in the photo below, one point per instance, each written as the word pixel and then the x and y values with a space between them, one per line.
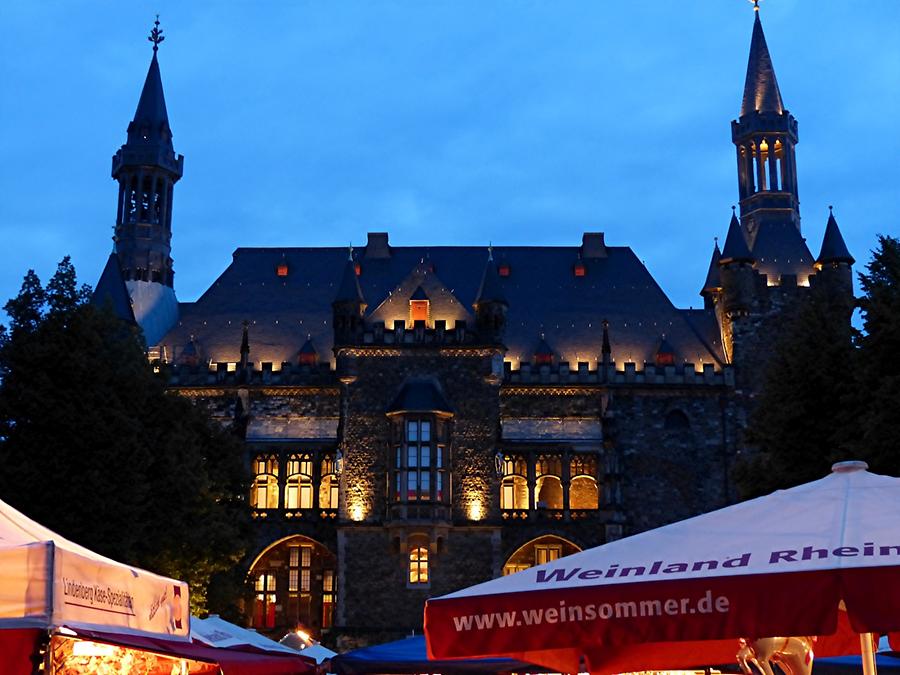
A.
pixel 47 581
pixel 409 656
pixel 821 559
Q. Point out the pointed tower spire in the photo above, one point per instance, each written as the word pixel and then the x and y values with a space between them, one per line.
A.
pixel 713 281
pixel 147 168
pixel 605 349
pixel 348 306
pixel 349 290
pixel 111 289
pixel 761 93
pixel 764 136
pixel 490 303
pixel 834 250
pixel 735 249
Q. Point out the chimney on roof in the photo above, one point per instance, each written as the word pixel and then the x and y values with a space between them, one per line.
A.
pixel 377 245
pixel 592 245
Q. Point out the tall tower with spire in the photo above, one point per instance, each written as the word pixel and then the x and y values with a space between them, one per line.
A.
pixel 147 168
pixel 765 135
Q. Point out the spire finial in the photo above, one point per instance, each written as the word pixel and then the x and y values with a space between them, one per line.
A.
pixel 716 240
pixel 733 208
pixel 755 5
pixel 490 251
pixel 351 252
pixel 830 208
pixel 156 35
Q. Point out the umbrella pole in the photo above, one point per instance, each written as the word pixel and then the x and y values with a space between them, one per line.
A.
pixel 868 654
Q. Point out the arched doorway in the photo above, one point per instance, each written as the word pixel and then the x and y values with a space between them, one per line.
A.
pixel 294 583
pixel 539 551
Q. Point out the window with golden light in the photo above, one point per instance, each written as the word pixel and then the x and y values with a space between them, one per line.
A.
pixel 299 483
pixel 418 565
pixel 264 491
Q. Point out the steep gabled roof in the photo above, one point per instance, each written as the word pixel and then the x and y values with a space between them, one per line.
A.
pixel 111 289
pixel 780 249
pixel 543 297
pixel 761 91
pixel 833 247
pixel 735 249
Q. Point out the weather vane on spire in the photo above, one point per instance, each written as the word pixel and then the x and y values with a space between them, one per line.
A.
pixel 156 35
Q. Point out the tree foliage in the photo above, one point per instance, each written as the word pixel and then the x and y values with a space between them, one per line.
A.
pixel 798 424
pixel 830 393
pixel 93 447
pixel 877 430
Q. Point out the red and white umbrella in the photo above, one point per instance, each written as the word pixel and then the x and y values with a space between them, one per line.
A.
pixel 821 559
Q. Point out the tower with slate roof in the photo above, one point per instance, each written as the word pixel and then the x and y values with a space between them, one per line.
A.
pixel 146 168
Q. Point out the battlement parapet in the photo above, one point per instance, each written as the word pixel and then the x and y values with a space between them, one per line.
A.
pixel 686 374
pixel 226 374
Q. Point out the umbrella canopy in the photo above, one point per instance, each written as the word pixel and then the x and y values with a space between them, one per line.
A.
pixel 408 656
pixel 820 559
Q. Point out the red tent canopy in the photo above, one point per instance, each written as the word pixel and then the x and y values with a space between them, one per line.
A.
pixel 821 559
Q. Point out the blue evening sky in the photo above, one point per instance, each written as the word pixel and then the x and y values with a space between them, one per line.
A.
pixel 518 122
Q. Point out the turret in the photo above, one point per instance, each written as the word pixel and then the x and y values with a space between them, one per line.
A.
pixel 834 264
pixel 736 271
pixel 490 305
pixel 147 168
pixel 712 287
pixel 348 307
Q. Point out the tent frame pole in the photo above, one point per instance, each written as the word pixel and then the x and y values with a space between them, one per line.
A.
pixel 868 653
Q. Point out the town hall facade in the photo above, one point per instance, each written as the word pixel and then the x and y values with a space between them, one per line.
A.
pixel 422 418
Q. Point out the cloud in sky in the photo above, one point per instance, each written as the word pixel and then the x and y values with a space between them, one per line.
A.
pixel 457 122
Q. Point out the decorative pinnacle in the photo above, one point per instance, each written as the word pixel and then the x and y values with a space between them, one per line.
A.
pixel 830 208
pixel 156 35
pixel 733 208
pixel 490 251
pixel 755 5
pixel 351 252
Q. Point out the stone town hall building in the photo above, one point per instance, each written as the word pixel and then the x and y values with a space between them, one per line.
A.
pixel 422 418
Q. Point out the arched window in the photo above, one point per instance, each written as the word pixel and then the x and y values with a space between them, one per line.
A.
pixel 329 486
pixel 548 492
pixel 583 491
pixel 264 601
pixel 264 492
pixel 418 565
pixel 676 420
pixel 537 552
pixel 514 485
pixel 299 485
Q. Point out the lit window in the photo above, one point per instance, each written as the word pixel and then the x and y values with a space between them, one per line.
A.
pixel 282 270
pixel 418 311
pixel 583 491
pixel 544 553
pixel 264 492
pixel 327 598
pixel 514 485
pixel 548 492
pixel 329 486
pixel 418 565
pixel 299 485
pixel 420 461
pixel 264 601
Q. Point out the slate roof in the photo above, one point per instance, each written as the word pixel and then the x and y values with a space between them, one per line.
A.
pixel 779 249
pixel 761 92
pixel 833 247
pixel 713 274
pixel 735 248
pixel 111 289
pixel 543 294
pixel 420 395
pixel 151 114
pixel 490 289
